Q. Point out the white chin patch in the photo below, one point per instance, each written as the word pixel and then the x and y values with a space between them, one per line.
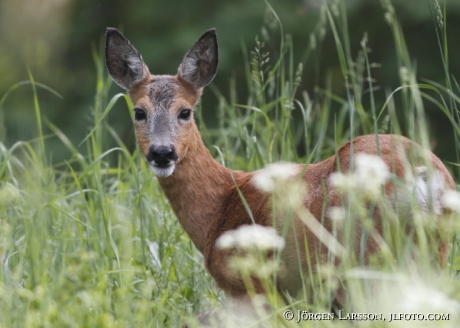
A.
pixel 163 172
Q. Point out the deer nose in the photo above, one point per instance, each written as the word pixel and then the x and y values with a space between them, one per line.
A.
pixel 162 155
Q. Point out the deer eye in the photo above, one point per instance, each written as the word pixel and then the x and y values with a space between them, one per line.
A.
pixel 139 114
pixel 185 114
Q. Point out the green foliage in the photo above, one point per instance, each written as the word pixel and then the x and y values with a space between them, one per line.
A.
pixel 88 244
pixel 92 242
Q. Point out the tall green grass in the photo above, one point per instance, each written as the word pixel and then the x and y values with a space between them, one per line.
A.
pixel 92 242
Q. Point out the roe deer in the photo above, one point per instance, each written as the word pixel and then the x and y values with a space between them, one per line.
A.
pixel 207 197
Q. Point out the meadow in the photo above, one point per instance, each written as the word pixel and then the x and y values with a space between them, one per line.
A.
pixel 92 241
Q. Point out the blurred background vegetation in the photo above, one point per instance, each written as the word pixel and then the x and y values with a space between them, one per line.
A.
pixel 56 40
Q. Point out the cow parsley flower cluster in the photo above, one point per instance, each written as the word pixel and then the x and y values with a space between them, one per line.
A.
pixel 426 299
pixel 370 174
pixel 9 194
pixel 337 213
pixel 252 250
pixel 283 181
pixel 267 179
pixel 417 291
pixel 251 237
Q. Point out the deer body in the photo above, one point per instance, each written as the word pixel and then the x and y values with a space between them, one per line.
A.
pixel 203 194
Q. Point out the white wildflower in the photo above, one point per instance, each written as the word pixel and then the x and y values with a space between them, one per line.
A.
pixel 370 174
pixel 426 299
pixel 290 196
pixel 260 268
pixel 451 200
pixel 251 237
pixel 274 173
pixel 9 194
pixel 371 169
pixel 417 291
pixel 337 213
pixel 343 181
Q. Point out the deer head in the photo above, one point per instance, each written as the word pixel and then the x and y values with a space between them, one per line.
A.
pixel 163 104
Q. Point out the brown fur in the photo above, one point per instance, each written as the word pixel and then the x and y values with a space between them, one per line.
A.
pixel 204 195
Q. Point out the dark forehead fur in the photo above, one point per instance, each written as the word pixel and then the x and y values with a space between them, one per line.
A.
pixel 162 92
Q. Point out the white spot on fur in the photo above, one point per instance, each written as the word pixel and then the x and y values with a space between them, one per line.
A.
pixel 451 200
pixel 427 190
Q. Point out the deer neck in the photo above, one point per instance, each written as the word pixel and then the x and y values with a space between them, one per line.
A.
pixel 197 189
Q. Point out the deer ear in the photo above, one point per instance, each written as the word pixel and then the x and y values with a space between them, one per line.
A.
pixel 199 65
pixel 124 63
